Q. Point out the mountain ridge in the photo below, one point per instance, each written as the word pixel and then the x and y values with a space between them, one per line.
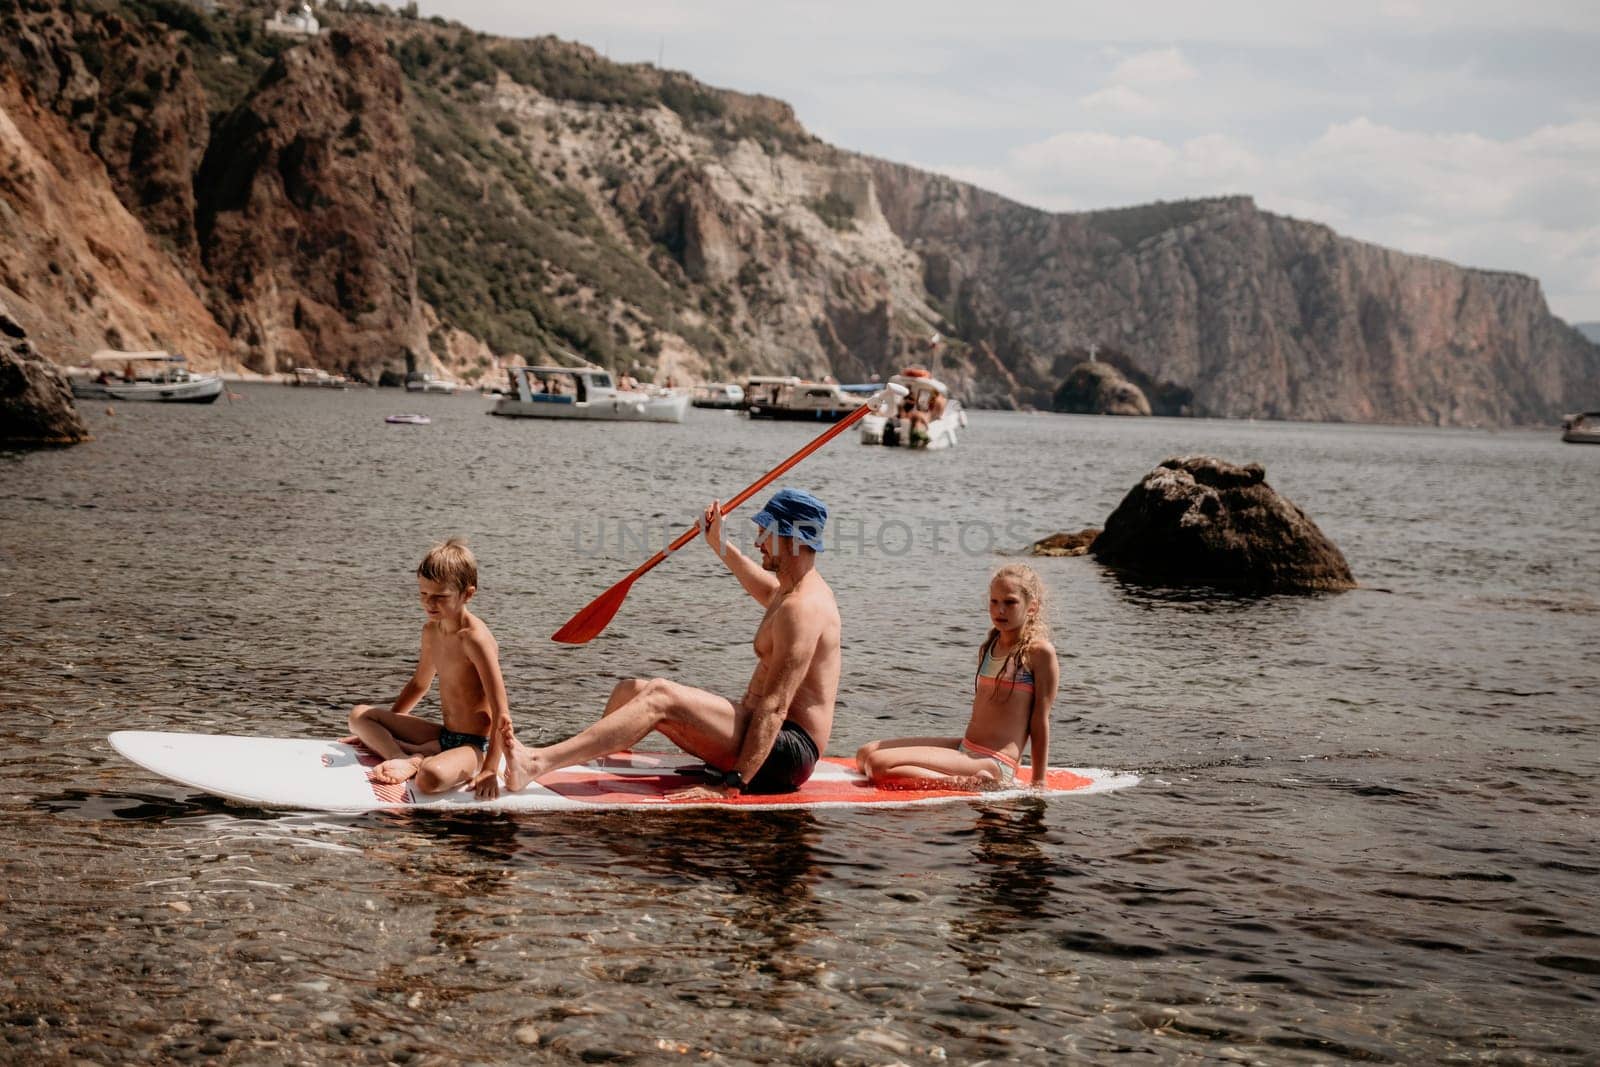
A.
pixel 502 199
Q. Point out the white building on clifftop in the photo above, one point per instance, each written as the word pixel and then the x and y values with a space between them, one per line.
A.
pixel 301 23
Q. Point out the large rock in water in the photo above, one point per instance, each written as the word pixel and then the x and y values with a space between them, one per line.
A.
pixel 35 402
pixel 1196 520
pixel 1100 389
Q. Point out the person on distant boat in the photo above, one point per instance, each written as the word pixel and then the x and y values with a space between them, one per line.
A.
pixel 769 740
pixel 1012 693
pixel 457 647
pixel 917 435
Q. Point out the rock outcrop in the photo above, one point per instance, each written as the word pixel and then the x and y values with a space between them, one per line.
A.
pixel 36 405
pixel 305 213
pixel 1195 520
pixel 1065 544
pixel 1099 389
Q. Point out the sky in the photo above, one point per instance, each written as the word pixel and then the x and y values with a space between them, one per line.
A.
pixel 1469 131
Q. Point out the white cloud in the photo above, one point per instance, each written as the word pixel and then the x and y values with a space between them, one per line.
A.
pixel 1161 67
pixel 1120 99
pixel 1140 85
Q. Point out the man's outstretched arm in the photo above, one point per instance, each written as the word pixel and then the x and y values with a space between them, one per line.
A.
pixel 757 582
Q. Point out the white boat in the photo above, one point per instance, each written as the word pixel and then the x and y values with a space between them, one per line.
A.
pixel 807 401
pixel 1581 429
pixel 723 395
pixel 585 393
pixel 427 383
pixel 158 376
pixel 317 378
pixel 929 416
pixel 764 389
pixel 408 419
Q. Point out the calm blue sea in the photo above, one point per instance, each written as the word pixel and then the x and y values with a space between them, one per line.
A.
pixel 1366 829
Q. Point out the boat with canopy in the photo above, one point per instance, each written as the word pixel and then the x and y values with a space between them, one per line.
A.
pixel 158 376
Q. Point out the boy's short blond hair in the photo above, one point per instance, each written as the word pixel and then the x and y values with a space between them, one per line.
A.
pixel 450 562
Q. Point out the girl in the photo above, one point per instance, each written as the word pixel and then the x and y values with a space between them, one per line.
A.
pixel 1013 690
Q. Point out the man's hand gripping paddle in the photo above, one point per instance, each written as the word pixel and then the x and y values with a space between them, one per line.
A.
pixel 588 623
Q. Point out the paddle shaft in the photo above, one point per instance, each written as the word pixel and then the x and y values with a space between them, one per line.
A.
pixel 755 487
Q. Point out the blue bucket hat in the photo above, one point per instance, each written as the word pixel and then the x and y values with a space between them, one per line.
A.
pixel 794 513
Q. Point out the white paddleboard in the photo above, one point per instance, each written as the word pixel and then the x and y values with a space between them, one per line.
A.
pixel 312 775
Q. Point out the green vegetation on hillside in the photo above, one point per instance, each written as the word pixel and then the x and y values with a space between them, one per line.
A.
pixel 495 239
pixel 1133 225
pixel 229 48
pixel 837 211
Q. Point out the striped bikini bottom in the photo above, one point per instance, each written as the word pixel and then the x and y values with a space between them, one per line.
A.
pixel 1004 766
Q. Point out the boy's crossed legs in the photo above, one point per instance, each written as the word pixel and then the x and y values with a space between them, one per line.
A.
pixel 410 747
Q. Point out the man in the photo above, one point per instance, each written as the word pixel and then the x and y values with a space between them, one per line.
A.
pixel 769 740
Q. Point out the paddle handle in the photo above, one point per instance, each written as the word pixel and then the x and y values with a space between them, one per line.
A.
pixel 768 478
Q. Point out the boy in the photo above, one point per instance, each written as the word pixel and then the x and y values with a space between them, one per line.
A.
pixel 458 647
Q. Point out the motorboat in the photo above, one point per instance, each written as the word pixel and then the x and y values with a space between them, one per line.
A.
pixel 1581 429
pixel 808 401
pixel 423 382
pixel 585 393
pixel 159 376
pixel 408 419
pixel 928 417
pixel 723 395
pixel 763 389
pixel 317 378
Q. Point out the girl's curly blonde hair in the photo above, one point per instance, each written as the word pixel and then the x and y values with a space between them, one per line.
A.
pixel 1035 628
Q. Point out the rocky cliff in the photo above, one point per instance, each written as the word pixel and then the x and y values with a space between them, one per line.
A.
pixel 407 194
pixel 304 212
pixel 1258 315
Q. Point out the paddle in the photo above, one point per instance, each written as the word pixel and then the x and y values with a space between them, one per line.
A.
pixel 586 625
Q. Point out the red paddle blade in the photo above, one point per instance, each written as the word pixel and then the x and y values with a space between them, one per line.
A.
pixel 587 624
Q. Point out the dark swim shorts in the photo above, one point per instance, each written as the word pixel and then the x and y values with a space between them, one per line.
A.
pixel 449 739
pixel 792 759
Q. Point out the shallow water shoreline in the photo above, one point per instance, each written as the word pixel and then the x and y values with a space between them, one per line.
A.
pixel 1366 829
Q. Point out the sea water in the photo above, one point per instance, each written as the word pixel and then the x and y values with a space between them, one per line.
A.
pixel 1366 828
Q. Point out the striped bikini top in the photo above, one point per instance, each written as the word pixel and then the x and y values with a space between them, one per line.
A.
pixel 990 677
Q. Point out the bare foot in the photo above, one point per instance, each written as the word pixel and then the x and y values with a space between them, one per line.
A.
pixel 395 771
pixel 522 764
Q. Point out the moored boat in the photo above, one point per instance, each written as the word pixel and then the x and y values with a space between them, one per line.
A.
pixel 585 393
pixel 928 417
pixel 317 378
pixel 408 419
pixel 723 395
pixel 422 382
pixel 808 401
pixel 1581 429
pixel 157 376
pixel 764 389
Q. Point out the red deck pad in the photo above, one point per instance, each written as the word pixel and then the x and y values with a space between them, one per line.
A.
pixel 386 792
pixel 597 785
